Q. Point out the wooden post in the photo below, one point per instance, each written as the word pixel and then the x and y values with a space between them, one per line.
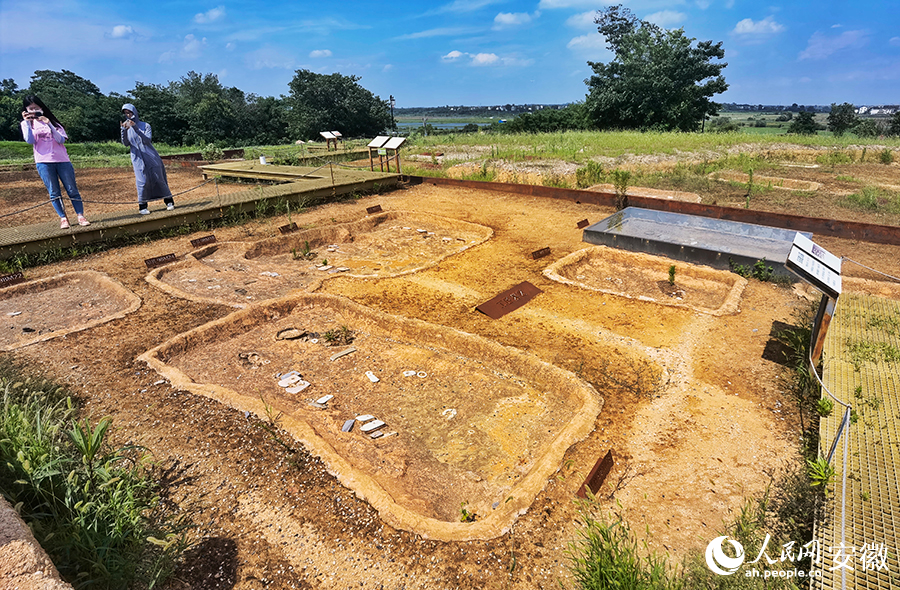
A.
pixel 820 326
pixel 397 159
pixel 371 162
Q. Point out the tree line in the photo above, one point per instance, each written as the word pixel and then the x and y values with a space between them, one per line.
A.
pixel 198 110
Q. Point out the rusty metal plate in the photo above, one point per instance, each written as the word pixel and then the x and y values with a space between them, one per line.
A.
pixel 540 253
pixel 160 260
pixel 286 229
pixel 210 239
pixel 373 209
pixel 598 474
pixel 509 300
pixel 12 279
pixel 583 224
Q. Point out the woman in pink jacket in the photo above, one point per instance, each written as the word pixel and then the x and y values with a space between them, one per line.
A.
pixel 44 131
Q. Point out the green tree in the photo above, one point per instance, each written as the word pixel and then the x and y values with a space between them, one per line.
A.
pixel 333 102
pixel 866 128
pixel 657 79
pixel 85 112
pixel 894 124
pixel 158 105
pixel 842 118
pixel 804 124
pixel 10 110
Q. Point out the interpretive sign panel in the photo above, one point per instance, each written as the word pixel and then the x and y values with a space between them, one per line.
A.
pixel 815 265
pixel 12 279
pixel 160 260
pixel 509 300
pixel 540 253
pixel 286 229
pixel 373 209
pixel 205 240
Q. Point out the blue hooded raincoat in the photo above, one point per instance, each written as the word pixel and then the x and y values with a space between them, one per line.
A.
pixel 149 171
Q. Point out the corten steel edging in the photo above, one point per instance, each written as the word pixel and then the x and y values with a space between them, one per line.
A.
pixel 851 230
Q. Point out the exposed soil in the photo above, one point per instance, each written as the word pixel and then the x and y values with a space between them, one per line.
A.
pixel 695 408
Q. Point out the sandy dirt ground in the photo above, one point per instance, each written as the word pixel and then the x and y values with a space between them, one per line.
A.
pixel 694 410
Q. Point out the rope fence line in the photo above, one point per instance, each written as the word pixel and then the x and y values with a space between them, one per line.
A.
pixel 83 200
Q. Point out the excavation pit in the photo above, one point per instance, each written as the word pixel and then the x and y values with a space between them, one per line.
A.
pixel 39 310
pixel 646 278
pixel 475 422
pixel 388 244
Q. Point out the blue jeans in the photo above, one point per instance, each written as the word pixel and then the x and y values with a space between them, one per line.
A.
pixel 53 172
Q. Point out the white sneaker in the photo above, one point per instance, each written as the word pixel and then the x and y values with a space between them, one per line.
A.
pixel 145 211
pixel 170 206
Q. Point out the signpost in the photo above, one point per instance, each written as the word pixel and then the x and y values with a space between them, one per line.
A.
pixel 821 269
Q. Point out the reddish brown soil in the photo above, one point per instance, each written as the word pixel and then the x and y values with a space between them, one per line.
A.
pixel 693 406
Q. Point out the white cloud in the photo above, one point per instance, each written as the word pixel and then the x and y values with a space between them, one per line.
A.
pixel 484 59
pixel 122 31
pixel 895 41
pixel 584 20
pixel 439 32
pixel 230 46
pixel 748 28
pixel 210 16
pixel 702 4
pixel 588 43
pixel 487 59
pixel 550 4
pixel 193 46
pixel 821 46
pixel 464 6
pixel 320 53
pixel 269 57
pixel 387 67
pixel 666 18
pixel 513 19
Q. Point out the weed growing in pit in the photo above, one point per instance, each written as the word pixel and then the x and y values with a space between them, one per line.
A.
pixel 339 336
pixel 606 554
pixel 96 510
pixel 672 275
pixel 863 351
pixel 821 473
pixel 758 271
pixel 886 156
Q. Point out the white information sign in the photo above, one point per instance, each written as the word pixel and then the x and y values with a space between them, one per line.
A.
pixel 818 267
pixel 378 141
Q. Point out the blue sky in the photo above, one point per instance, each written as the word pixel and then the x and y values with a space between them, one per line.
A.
pixel 473 52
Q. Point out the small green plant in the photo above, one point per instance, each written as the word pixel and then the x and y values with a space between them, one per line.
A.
pixel 865 496
pixel 342 335
pixel 305 252
pixel 607 554
pixel 212 152
pixel 621 178
pixel 886 156
pixel 821 473
pixel 589 174
pixel 672 275
pixel 824 407
pixel 759 271
pixel 466 515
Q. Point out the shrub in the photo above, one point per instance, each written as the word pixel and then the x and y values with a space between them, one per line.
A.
pixel 589 174
pixel 212 152
pixel 886 156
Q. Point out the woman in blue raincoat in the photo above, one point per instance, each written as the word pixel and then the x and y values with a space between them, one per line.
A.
pixel 149 171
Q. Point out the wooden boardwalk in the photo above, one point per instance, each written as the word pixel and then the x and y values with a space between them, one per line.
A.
pixel 297 184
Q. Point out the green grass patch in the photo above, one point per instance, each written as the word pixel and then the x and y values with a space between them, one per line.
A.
pixel 95 509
